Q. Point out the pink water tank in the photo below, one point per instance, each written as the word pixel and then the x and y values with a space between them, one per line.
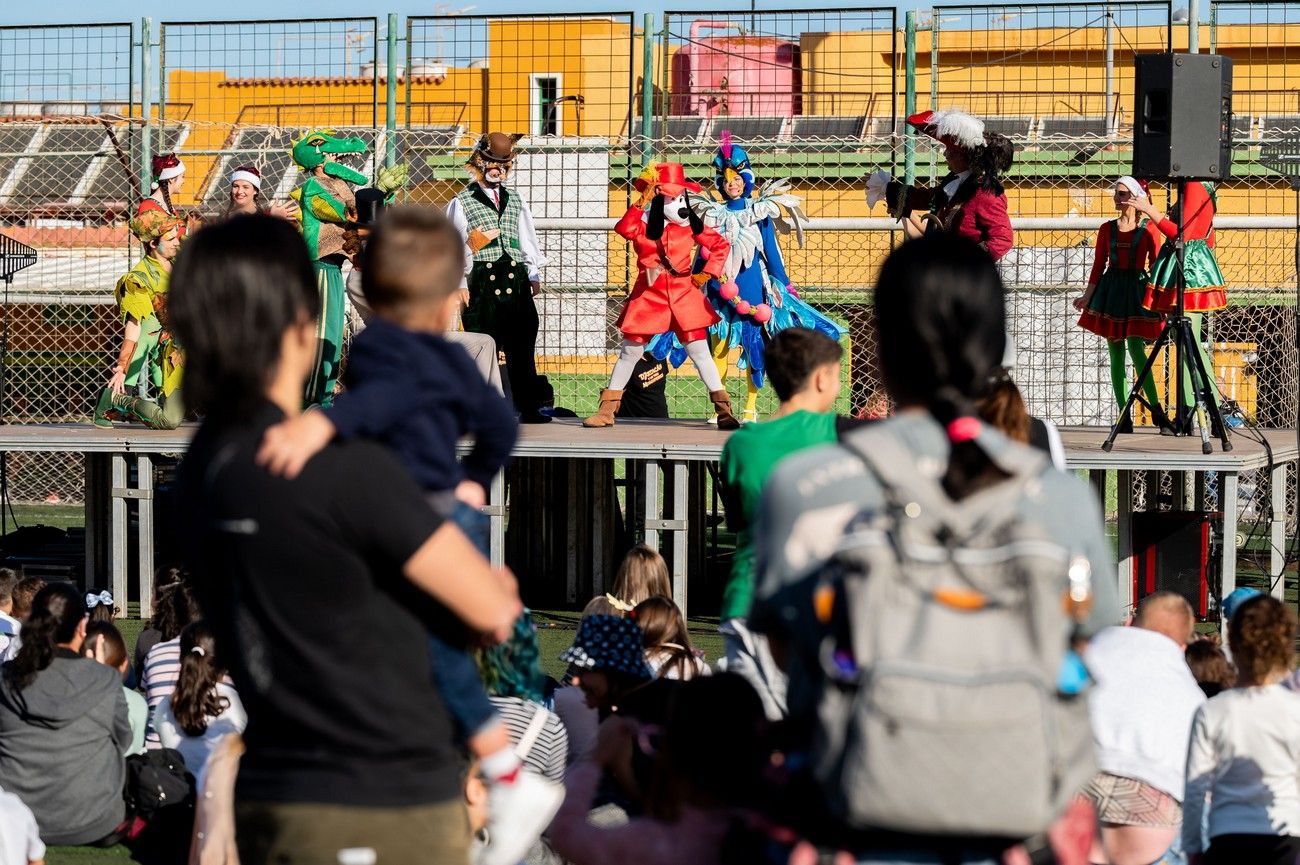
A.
pixel 738 75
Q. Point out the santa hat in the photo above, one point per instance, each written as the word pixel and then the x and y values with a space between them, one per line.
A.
pixel 950 125
pixel 249 174
pixel 166 166
pixel 1139 188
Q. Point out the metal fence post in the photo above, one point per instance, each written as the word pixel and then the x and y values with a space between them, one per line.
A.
pixel 390 104
pixel 1193 27
pixel 647 88
pixel 146 102
pixel 909 94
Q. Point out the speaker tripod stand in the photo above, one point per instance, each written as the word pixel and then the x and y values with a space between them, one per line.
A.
pixel 1201 406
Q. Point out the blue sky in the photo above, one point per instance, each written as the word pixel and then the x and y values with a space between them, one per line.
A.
pixel 74 11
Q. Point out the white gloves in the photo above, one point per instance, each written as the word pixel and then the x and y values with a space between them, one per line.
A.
pixel 876 184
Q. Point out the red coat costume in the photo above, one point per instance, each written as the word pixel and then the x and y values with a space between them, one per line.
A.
pixel 973 212
pixel 670 301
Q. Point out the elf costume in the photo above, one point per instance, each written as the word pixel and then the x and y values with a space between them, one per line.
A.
pixel 754 298
pixel 166 167
pixel 326 204
pixel 503 260
pixel 1206 287
pixel 153 358
pixel 665 233
pixel 1112 305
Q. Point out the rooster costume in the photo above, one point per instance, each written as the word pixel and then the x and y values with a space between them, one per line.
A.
pixel 667 297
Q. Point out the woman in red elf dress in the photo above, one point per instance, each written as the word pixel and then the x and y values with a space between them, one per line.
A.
pixel 168 173
pixel 665 234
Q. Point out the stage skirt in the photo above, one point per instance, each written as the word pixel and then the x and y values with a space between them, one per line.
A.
pixel 1205 284
pixel 1115 310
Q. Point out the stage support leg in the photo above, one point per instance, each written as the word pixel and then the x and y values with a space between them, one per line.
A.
pixel 1124 536
pixel 145 539
pixel 496 511
pixel 120 527
pixel 604 502
pixel 678 490
pixel 1228 502
pixel 1277 531
pixel 1097 477
pixel 681 502
pixel 97 518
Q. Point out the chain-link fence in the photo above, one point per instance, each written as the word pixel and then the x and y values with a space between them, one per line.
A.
pixel 816 96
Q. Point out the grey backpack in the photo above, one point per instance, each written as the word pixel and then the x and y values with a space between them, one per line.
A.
pixel 946 625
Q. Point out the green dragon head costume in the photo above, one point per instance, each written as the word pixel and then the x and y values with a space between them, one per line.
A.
pixel 325 201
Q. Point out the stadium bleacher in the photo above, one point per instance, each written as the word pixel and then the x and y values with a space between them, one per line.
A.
pixel 416 144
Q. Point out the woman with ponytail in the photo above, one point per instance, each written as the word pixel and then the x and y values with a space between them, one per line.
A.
pixel 1243 763
pixel 827 511
pixel 63 726
pixel 204 708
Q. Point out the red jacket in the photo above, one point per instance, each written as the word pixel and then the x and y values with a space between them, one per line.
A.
pixel 978 214
pixel 671 301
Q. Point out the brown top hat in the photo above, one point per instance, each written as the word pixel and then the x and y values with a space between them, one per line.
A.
pixel 496 147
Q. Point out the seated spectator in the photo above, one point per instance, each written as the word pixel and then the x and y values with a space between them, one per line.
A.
pixel 581 720
pixel 20 839
pixel 607 661
pixel 163 626
pixel 202 709
pixel 1141 711
pixel 668 648
pixel 642 574
pixel 104 645
pixel 515 683
pixel 1243 765
pixel 63 726
pixel 24 593
pixel 701 780
pixel 162 666
pixel 9 626
pixel 1001 404
pixel 320 590
pixel 1210 667
pixel 101 605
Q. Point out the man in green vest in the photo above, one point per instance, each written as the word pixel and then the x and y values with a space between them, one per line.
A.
pixel 503 261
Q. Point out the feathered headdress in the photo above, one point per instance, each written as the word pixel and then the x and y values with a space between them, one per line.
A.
pixel 950 125
pixel 731 161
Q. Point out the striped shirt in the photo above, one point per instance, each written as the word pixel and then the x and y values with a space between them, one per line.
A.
pixel 162 667
pixel 551 750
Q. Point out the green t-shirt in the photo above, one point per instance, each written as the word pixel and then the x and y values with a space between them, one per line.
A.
pixel 747 459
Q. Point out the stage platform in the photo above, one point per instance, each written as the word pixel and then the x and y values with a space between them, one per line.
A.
pixel 672 444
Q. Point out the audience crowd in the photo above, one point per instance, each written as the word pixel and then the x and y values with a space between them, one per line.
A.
pixel 924 659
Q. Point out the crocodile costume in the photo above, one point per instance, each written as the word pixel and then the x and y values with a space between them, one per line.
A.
pixel 327 205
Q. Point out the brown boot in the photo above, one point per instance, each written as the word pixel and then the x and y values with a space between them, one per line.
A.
pixel 722 405
pixel 609 403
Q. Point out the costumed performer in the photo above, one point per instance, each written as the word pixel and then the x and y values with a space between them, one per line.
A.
pixel 327 204
pixel 503 262
pixel 970 200
pixel 168 179
pixel 754 298
pixel 149 355
pixel 1206 291
pixel 1112 305
pixel 667 297
pixel 246 196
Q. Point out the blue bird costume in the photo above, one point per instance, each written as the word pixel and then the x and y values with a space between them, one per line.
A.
pixel 764 302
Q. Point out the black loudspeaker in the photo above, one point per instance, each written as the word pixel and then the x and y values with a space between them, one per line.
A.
pixel 1182 117
pixel 1171 552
